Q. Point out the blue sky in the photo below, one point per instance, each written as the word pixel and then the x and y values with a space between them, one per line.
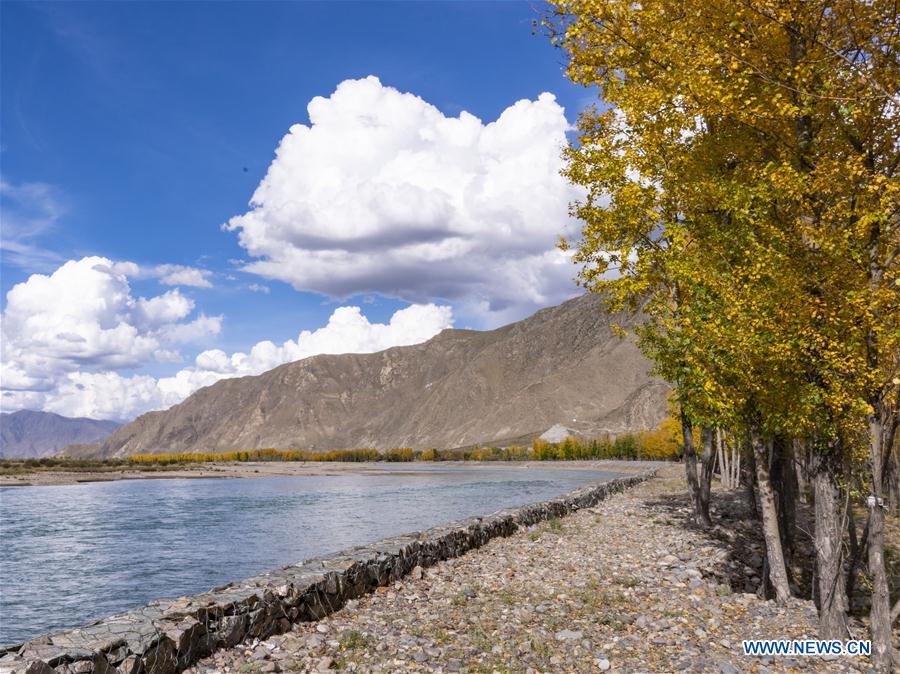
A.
pixel 134 131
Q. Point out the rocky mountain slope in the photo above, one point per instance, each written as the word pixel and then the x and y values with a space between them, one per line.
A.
pixel 28 434
pixel 562 365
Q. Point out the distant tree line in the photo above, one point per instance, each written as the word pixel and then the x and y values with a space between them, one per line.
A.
pixel 649 445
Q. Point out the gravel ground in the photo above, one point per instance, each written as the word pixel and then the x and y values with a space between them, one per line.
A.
pixel 622 587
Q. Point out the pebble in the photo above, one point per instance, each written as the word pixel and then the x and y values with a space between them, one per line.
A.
pixel 629 577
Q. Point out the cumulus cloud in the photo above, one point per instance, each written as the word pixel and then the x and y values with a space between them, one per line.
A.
pixel 347 331
pixel 83 318
pixel 97 395
pixel 383 193
pixel 64 337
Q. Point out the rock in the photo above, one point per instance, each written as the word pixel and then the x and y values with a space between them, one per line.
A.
pixel 568 634
pixel 557 433
pixel 324 664
pixel 314 642
pixel 417 573
pixel 603 665
pixel 39 667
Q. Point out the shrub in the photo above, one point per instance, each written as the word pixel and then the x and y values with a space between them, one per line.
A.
pixel 398 454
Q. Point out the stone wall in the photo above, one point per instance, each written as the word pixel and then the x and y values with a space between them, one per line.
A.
pixel 167 636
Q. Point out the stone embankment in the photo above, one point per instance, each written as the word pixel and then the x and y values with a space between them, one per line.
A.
pixel 166 637
pixel 626 586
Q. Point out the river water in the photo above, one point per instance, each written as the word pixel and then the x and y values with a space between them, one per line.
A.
pixel 72 554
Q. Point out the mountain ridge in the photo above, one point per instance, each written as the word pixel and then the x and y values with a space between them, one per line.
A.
pixel 27 434
pixel 563 364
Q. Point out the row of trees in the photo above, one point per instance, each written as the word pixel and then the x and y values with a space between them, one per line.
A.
pixel 741 193
pixel 651 445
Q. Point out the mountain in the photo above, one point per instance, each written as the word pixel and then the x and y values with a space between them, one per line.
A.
pixel 29 434
pixel 563 365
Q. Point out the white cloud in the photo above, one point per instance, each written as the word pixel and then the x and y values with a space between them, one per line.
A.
pixel 30 210
pixel 97 395
pixel 166 308
pixel 83 319
pixel 383 193
pixel 178 275
pixel 347 331
pixel 108 394
pixel 259 288
pixel 168 274
pixel 195 331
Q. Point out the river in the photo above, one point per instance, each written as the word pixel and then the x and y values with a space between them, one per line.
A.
pixel 72 554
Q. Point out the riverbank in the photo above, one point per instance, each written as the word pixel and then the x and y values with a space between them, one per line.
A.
pixel 622 583
pixel 625 586
pixel 237 470
pixel 167 636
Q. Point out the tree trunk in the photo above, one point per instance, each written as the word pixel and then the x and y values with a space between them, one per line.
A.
pixel 735 463
pixel 784 482
pixel 751 483
pixel 706 472
pixel 801 471
pixel 858 546
pixel 829 558
pixel 880 614
pixel 882 419
pixel 791 489
pixel 690 467
pixel 892 483
pixel 722 461
pixel 769 513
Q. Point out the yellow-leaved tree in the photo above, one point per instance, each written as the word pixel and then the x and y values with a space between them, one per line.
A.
pixel 740 169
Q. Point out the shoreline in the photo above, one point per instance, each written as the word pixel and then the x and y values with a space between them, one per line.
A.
pixel 169 635
pixel 258 469
pixel 627 586
pixel 612 577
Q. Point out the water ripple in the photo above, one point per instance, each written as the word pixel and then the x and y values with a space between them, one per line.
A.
pixel 71 554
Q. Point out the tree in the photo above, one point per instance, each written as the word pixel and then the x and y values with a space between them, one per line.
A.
pixel 741 191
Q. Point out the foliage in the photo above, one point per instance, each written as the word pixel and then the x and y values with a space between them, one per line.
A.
pixel 739 187
pixel 741 192
pixel 664 442
pixel 658 445
pixel 343 455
